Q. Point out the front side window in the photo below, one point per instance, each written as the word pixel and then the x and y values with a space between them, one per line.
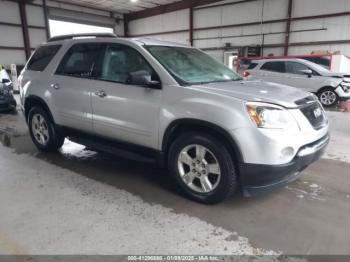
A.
pixel 82 60
pixel 278 67
pixel 42 57
pixel 121 61
pixel 296 68
pixel 190 66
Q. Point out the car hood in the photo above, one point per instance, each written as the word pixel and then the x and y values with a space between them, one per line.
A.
pixel 336 75
pixel 259 91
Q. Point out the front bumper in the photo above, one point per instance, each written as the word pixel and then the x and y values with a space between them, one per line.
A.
pixel 256 179
pixel 343 96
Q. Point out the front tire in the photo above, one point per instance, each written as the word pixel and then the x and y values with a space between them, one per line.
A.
pixel 328 97
pixel 42 130
pixel 202 167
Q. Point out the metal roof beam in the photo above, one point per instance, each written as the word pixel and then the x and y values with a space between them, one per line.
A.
pixel 172 7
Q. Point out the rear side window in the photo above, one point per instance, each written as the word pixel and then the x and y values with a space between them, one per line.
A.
pixel 278 67
pixel 42 57
pixel 82 60
pixel 252 66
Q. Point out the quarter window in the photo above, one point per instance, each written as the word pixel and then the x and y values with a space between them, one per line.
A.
pixel 121 61
pixel 274 67
pixel 42 57
pixel 82 60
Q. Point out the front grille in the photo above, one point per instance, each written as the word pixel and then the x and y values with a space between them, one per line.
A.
pixel 315 114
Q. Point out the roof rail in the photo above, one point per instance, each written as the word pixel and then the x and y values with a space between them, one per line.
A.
pixel 72 36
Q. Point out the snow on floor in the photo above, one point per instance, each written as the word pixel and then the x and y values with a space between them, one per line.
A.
pixel 51 210
pixel 306 190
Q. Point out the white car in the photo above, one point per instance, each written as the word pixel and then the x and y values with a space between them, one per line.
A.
pixel 330 87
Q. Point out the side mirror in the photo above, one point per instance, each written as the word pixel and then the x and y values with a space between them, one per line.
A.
pixel 143 78
pixel 307 72
pixel 5 81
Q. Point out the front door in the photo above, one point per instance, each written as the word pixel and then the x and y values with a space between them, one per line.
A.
pixel 123 111
pixel 295 76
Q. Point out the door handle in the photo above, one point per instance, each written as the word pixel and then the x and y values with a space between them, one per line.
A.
pixel 101 93
pixel 55 86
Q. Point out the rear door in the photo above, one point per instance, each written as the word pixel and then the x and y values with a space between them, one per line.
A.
pixel 72 84
pixel 122 111
pixel 272 71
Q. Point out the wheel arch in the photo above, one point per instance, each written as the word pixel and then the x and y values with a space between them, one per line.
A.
pixel 177 127
pixel 32 101
pixel 325 87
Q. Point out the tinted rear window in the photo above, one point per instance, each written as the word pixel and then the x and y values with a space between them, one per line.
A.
pixel 274 67
pixel 252 65
pixel 82 60
pixel 42 57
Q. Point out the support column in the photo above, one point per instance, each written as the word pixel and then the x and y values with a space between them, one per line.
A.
pixel 126 25
pixel 191 25
pixel 47 25
pixel 289 21
pixel 23 14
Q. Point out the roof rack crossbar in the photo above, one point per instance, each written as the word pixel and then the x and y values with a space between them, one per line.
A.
pixel 72 36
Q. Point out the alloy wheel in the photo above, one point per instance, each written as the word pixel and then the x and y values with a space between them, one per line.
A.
pixel 199 168
pixel 328 98
pixel 40 129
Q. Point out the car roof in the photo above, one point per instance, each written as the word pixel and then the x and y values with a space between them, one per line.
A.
pixel 278 60
pixel 110 38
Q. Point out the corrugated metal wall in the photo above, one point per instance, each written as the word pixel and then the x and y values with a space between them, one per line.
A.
pixel 228 21
pixel 12 44
pixel 11 34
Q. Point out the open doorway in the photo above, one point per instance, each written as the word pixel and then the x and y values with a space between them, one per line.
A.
pixel 58 27
pixel 230 59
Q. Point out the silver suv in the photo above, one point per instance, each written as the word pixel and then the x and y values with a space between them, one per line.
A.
pixel 330 87
pixel 165 102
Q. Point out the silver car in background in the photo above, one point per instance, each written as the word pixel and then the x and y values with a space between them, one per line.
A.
pixel 159 101
pixel 330 87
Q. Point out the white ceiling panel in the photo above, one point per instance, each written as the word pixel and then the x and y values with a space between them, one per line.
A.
pixel 120 6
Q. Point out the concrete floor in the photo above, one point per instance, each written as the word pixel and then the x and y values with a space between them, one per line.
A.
pixel 82 202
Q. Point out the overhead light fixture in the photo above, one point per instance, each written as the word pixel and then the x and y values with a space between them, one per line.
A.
pixel 133 1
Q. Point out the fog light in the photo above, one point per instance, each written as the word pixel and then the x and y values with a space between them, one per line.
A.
pixel 287 152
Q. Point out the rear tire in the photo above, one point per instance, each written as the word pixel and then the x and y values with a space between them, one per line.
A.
pixel 42 130
pixel 202 167
pixel 328 97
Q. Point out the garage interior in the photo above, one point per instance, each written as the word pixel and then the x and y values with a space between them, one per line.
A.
pixel 286 27
pixel 82 202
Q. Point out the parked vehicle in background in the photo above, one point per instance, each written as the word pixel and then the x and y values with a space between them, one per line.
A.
pixel 338 63
pixel 166 102
pixel 4 75
pixel 7 101
pixel 330 87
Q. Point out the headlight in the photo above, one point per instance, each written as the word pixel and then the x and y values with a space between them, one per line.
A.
pixel 345 88
pixel 271 116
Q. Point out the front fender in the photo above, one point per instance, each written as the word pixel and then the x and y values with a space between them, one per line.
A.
pixel 228 115
pixel 332 82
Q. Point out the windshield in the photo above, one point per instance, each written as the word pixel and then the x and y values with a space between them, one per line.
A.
pixel 190 66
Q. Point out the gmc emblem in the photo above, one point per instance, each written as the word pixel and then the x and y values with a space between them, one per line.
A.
pixel 317 112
